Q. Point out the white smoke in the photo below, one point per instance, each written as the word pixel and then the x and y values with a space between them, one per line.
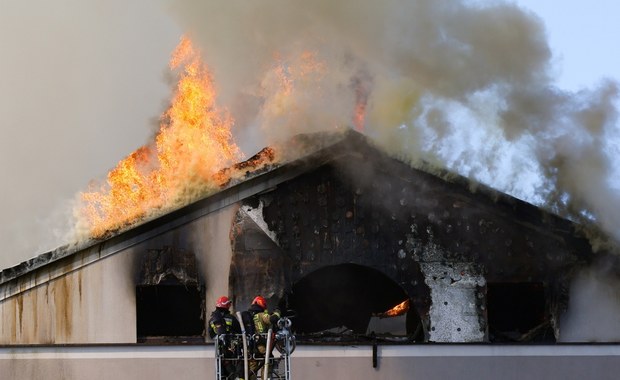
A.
pixel 594 305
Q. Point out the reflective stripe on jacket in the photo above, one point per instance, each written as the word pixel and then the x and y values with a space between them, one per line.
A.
pixel 263 320
pixel 217 325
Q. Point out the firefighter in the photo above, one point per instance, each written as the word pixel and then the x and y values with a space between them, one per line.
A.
pixel 222 326
pixel 257 320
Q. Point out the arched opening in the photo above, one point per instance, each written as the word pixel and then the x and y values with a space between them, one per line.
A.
pixel 346 297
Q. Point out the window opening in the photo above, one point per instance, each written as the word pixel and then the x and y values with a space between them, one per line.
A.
pixel 169 298
pixel 517 313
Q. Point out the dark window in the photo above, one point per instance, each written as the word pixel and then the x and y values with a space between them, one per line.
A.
pixel 169 311
pixel 169 297
pixel 517 312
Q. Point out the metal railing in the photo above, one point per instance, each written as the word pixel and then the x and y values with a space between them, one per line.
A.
pixel 256 356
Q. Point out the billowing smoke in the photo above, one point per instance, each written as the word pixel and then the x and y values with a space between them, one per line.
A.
pixel 467 84
pixel 594 305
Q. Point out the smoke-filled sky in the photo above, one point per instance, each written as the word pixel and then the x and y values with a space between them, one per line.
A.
pixel 82 84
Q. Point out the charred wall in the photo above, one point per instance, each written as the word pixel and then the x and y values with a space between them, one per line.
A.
pixel 170 297
pixel 436 238
pixel 96 294
pixel 349 218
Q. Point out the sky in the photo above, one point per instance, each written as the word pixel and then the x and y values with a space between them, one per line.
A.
pixel 582 36
pixel 83 83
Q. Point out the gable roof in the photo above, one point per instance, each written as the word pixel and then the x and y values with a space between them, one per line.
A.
pixel 253 176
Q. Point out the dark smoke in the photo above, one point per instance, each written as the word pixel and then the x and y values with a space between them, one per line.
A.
pixel 465 84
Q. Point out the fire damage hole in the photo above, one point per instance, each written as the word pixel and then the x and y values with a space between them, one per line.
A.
pixel 517 313
pixel 169 298
pixel 342 300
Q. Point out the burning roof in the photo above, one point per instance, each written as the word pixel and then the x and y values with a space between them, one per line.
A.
pixel 303 153
pixel 418 224
pixel 227 179
pixel 342 204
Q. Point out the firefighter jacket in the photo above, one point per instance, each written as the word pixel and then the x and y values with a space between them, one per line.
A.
pixel 223 322
pixel 259 320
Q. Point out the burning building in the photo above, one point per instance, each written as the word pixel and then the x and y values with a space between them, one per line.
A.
pixel 338 236
pixel 387 269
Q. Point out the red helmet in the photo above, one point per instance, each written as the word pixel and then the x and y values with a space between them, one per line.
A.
pixel 223 302
pixel 260 301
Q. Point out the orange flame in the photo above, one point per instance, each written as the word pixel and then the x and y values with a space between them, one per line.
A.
pixel 289 83
pixel 397 310
pixel 359 117
pixel 193 144
pixel 361 84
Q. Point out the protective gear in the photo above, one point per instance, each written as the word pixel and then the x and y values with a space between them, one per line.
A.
pixel 260 301
pixel 222 322
pixel 223 327
pixel 263 320
pixel 257 320
pixel 223 302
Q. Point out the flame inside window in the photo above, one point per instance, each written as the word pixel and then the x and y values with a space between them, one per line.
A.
pixel 397 310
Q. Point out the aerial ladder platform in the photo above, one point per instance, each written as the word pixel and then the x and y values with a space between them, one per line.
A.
pixel 237 356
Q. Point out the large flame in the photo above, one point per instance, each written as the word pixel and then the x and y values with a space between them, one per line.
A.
pixel 193 153
pixel 194 143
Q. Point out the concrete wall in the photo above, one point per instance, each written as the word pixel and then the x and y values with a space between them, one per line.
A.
pixel 209 239
pixel 72 302
pixel 426 362
pixel 95 304
pixel 102 363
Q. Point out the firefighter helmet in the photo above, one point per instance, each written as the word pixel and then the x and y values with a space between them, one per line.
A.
pixel 260 301
pixel 223 302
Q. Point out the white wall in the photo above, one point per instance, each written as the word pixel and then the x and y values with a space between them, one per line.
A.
pixel 94 304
